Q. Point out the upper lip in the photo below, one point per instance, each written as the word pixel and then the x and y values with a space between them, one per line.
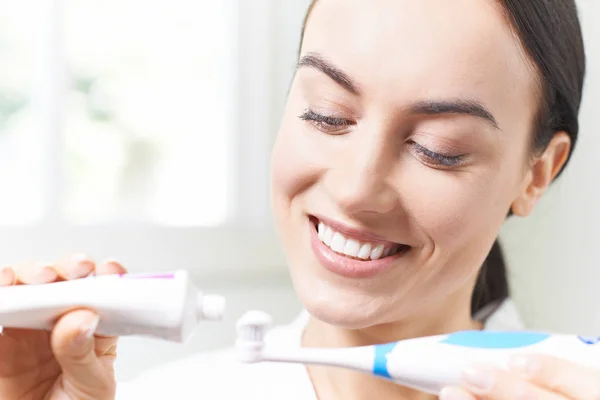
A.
pixel 354 233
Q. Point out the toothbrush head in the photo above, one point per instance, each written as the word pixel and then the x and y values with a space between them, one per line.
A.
pixel 251 330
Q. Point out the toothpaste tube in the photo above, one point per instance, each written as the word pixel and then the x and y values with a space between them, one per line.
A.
pixel 162 305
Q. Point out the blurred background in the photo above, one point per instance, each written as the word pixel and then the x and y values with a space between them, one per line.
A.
pixel 141 131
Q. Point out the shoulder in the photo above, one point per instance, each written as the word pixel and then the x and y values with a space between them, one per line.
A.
pixel 220 375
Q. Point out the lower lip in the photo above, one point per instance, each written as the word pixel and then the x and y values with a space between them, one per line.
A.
pixel 348 267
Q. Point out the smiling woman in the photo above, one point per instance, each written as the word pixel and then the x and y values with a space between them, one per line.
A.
pixel 449 156
pixel 446 133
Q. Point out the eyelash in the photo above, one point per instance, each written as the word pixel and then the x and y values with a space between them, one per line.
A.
pixel 438 159
pixel 325 123
pixel 329 125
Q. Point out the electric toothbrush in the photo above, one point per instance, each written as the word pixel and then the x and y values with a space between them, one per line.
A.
pixel 427 364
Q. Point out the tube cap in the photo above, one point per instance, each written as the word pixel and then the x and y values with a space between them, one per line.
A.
pixel 211 307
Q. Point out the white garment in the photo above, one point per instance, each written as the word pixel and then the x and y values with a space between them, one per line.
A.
pixel 219 376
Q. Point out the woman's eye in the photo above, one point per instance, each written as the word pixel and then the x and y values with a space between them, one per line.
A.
pixel 437 159
pixel 327 124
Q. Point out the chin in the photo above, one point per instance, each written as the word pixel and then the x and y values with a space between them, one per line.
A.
pixel 341 307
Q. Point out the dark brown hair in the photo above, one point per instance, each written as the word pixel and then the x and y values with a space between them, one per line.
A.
pixel 550 33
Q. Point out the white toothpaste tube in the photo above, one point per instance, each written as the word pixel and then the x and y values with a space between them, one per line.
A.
pixel 160 305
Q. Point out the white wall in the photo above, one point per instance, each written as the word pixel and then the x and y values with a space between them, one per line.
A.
pixel 553 254
pixel 555 272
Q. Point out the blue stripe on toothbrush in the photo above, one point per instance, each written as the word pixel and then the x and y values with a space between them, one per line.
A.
pixel 380 364
pixel 473 339
pixel 494 340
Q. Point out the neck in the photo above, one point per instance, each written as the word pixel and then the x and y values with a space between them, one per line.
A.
pixel 334 383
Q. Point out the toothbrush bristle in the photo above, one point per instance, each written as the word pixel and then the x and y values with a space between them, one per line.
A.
pixel 251 330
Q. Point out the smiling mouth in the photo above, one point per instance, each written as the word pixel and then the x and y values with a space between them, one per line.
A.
pixel 361 250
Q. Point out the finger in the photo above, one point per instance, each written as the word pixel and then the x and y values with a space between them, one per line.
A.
pixel 110 267
pixel 74 347
pixel 455 393
pixel 106 346
pixel 557 375
pixel 75 266
pixel 488 383
pixel 35 274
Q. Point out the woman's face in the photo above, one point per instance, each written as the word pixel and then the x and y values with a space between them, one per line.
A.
pixel 404 143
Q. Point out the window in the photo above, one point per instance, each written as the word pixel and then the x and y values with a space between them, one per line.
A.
pixel 140 131
pixel 148 129
pixel 20 151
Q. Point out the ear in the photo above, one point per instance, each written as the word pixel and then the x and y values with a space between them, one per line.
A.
pixel 544 168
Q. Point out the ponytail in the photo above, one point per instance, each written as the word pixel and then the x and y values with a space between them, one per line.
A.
pixel 492 283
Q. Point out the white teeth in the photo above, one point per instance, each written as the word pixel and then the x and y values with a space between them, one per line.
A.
pixel 338 242
pixel 365 251
pixel 328 236
pixel 321 229
pixel 377 252
pixel 351 247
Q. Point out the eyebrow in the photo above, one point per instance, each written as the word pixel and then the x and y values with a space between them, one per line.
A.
pixel 315 60
pixel 471 108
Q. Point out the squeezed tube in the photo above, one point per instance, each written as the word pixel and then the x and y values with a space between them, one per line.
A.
pixel 166 306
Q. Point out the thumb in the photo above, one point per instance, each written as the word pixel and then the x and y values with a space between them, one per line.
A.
pixel 73 345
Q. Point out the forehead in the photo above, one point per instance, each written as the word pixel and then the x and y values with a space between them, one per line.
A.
pixel 425 48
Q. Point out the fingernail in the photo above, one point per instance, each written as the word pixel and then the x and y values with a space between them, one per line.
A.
pixel 113 265
pixel 42 273
pixel 109 357
pixel 524 365
pixel 112 351
pixel 454 394
pixel 87 330
pixel 80 266
pixel 46 274
pixel 480 380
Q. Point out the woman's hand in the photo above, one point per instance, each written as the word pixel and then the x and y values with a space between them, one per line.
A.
pixel 67 363
pixel 531 377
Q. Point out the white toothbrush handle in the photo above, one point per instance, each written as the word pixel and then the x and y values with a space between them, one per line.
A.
pixel 429 364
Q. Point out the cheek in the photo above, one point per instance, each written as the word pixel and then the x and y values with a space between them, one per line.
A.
pixel 448 208
pixel 284 169
pixel 459 217
pixel 294 164
pixel 459 212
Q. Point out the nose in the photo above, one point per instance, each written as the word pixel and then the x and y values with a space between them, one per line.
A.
pixel 359 181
